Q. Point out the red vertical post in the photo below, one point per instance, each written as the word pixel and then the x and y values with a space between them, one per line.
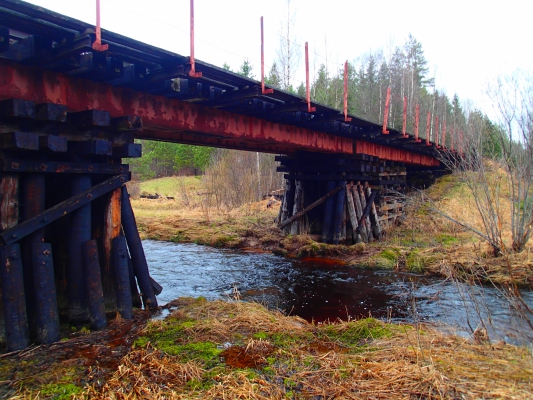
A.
pixel 417 121
pixel 437 131
pixel 97 45
pixel 346 118
pixel 192 72
pixel 309 108
pixel 404 122
pixel 263 90
pixel 444 133
pixel 386 114
pixel 428 121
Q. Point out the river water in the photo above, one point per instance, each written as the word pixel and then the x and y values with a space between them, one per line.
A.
pixel 321 290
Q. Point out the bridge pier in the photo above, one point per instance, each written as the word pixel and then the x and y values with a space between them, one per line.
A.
pixel 344 199
pixel 63 208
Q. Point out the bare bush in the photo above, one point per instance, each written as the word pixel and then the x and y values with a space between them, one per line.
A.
pixel 236 178
pixel 496 163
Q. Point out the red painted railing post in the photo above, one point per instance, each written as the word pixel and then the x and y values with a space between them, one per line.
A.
pixel 404 122
pixel 417 121
pixel 386 114
pixel 192 72
pixel 309 108
pixel 346 118
pixel 263 90
pixel 97 45
pixel 428 121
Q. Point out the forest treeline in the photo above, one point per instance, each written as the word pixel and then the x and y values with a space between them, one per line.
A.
pixel 405 70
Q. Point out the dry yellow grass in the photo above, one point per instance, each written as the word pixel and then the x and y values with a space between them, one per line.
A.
pixel 301 360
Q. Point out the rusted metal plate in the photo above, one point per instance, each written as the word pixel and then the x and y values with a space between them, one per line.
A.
pixel 392 154
pixel 157 113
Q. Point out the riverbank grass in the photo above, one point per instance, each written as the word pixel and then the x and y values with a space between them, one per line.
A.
pixel 232 350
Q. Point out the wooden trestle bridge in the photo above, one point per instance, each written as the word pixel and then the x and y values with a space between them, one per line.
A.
pixel 72 100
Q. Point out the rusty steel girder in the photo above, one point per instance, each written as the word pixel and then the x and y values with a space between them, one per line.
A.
pixel 160 114
pixel 392 154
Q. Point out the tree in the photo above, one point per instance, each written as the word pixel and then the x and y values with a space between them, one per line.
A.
pixel 274 78
pixel 246 69
pixel 288 51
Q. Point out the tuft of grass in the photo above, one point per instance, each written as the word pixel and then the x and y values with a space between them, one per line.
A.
pixel 60 391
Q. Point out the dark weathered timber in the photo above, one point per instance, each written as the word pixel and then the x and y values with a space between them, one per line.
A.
pixel 98 147
pixel 359 211
pixel 13 298
pixel 51 112
pixel 352 213
pixel 20 165
pixel 288 199
pixel 327 226
pixel 339 214
pixel 111 228
pixel 32 196
pixel 376 225
pixel 89 118
pixel 9 201
pixel 140 267
pixel 157 287
pixel 23 229
pixel 57 144
pixel 45 293
pixel 136 300
pixel 310 207
pixel 17 108
pixel 122 278
pixel 4 39
pixel 93 285
pixel 79 233
pixel 19 141
pixel 298 205
pixel 366 211
pixel 127 150
pixel 127 123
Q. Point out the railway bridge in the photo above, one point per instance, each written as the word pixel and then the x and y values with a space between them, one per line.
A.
pixel 73 99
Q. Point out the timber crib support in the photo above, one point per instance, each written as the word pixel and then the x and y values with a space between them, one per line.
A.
pixel 63 208
pixel 344 200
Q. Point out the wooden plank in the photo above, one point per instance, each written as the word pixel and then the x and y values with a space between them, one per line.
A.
pixel 25 228
pixel 122 278
pixel 45 293
pixel 19 165
pixel 9 201
pixel 93 279
pixel 327 225
pixel 298 206
pixel 352 212
pixel 13 298
pixel 377 226
pixel 310 207
pixel 19 141
pixel 339 215
pixel 359 212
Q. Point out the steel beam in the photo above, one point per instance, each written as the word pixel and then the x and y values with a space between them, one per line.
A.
pixel 157 113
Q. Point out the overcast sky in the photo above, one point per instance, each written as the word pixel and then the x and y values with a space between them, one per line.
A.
pixel 467 43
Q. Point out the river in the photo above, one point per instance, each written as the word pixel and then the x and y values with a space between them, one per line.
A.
pixel 321 290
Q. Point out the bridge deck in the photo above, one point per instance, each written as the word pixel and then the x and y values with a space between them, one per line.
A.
pixel 48 57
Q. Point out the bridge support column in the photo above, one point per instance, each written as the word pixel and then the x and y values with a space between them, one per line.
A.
pixel 72 206
pixel 347 198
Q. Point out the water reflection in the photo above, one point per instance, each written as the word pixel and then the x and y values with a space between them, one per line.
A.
pixel 320 290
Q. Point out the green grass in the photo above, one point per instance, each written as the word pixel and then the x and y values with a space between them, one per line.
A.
pixel 172 185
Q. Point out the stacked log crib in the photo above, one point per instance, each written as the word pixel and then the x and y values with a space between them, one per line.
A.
pixel 347 199
pixel 70 249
